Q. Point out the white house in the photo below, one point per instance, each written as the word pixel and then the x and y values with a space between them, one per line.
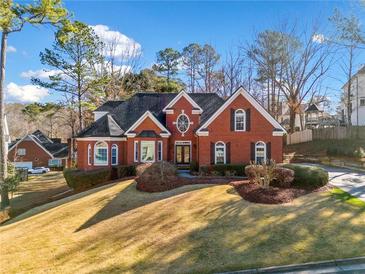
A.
pixel 357 98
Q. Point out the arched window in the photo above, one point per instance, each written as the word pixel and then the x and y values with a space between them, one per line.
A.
pixel 114 154
pixel 89 155
pixel 101 154
pixel 260 152
pixel 220 153
pixel 240 120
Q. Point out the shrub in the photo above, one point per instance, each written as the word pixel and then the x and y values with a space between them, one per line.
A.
pixel 140 169
pixel 82 180
pixel 308 176
pixel 263 174
pixel 124 171
pixel 223 170
pixel 283 176
pixel 156 177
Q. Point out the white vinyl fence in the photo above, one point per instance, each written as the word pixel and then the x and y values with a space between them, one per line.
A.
pixel 299 137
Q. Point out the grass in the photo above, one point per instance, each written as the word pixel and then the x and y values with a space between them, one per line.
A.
pixel 192 229
pixel 38 190
pixel 347 197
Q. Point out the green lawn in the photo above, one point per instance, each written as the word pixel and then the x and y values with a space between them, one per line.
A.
pixel 192 229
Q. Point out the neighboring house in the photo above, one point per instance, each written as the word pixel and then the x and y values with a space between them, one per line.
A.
pixel 357 98
pixel 36 150
pixel 284 116
pixel 313 116
pixel 181 128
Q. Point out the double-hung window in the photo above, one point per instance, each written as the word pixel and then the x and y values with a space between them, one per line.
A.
pixel 220 153
pixel 260 152
pixel 101 154
pixel 159 151
pixel 147 151
pixel 114 154
pixel 240 120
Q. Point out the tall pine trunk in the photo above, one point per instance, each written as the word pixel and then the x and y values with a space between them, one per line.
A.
pixel 3 157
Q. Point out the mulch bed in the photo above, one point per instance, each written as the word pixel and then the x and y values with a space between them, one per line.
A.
pixel 248 191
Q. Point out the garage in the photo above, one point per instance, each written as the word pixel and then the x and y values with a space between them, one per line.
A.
pixel 23 164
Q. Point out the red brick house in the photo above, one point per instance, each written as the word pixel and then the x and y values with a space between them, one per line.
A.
pixel 180 128
pixel 37 150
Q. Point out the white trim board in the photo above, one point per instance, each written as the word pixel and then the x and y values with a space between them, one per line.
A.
pixel 187 97
pixel 146 115
pixel 251 100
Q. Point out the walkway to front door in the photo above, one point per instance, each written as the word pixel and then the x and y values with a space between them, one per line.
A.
pixel 182 154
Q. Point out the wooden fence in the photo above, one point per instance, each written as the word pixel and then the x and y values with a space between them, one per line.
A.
pixel 354 132
pixel 299 137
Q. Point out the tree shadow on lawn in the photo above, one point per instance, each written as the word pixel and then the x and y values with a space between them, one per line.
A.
pixel 130 198
pixel 233 234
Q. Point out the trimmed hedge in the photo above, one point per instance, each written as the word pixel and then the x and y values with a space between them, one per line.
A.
pixel 124 171
pixel 82 180
pixel 308 176
pixel 223 170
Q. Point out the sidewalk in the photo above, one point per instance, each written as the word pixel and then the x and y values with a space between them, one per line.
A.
pixel 352 265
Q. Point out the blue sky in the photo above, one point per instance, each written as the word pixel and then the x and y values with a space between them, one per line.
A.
pixel 157 25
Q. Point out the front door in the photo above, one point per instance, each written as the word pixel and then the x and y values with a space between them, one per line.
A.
pixel 182 154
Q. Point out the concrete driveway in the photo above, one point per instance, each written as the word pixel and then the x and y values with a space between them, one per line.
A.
pixel 348 180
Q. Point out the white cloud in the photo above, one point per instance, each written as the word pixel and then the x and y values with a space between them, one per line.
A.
pixel 42 74
pixel 26 93
pixel 122 46
pixel 10 49
pixel 318 38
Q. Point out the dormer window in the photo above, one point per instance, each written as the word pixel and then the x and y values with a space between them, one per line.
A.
pixel 183 123
pixel 240 120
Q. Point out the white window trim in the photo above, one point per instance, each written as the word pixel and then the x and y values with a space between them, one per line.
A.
pixel 136 152
pixel 154 151
pixel 21 149
pixel 107 155
pixel 177 126
pixel 159 143
pixel 89 151
pixel 257 143
pixel 224 152
pixel 59 162
pixel 114 146
pixel 244 122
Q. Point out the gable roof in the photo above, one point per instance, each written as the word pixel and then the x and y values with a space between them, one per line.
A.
pixel 240 91
pixel 146 115
pixel 129 111
pixel 53 149
pixel 312 107
pixel 178 97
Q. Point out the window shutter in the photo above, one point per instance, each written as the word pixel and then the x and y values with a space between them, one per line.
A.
pixel 228 153
pixel 253 152
pixel 212 153
pixel 248 119
pixel 232 119
pixel 268 151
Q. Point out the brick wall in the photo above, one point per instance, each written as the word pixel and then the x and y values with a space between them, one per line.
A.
pixel 240 142
pixel 34 153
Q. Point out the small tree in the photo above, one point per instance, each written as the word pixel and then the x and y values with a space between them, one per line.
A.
pixel 13 17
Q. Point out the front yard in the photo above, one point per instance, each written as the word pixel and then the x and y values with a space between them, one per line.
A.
pixel 38 190
pixel 195 228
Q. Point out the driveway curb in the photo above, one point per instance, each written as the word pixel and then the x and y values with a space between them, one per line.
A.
pixel 333 266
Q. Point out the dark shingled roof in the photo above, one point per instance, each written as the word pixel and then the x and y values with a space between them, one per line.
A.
pixel 109 106
pixel 148 133
pixel 312 107
pixel 128 112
